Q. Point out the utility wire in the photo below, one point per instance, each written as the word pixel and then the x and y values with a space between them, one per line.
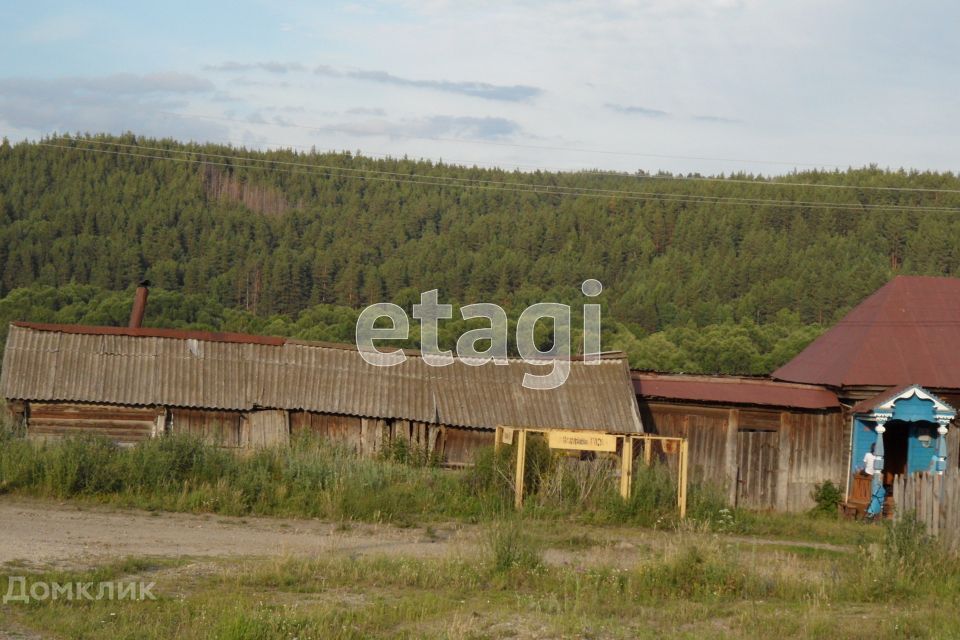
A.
pixel 341 129
pixel 758 181
pixel 501 166
pixel 330 128
pixel 528 187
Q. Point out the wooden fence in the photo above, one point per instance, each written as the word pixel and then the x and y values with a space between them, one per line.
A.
pixel 935 500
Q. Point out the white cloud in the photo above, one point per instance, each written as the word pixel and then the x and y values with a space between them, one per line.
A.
pixel 486 90
pixel 618 84
pixel 472 88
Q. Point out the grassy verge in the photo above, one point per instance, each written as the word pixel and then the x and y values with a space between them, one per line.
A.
pixel 696 586
pixel 314 478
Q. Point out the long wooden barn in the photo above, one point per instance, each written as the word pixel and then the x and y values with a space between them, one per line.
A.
pixel 242 390
pixel 885 379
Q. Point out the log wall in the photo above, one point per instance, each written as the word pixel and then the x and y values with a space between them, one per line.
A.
pixel 454 446
pixel 124 425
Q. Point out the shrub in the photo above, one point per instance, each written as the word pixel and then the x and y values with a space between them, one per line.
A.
pixel 828 498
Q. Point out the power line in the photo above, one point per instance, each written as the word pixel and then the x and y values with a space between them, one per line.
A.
pixel 585 170
pixel 508 187
pixel 341 129
pixel 525 187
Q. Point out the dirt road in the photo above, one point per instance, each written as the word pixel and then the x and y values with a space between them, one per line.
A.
pixel 45 533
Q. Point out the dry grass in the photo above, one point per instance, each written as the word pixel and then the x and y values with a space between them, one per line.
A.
pixel 688 585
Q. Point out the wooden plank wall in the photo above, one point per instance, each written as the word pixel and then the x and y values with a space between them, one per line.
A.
pixel 366 436
pixel 760 458
pixel 342 429
pixel 460 445
pixel 706 430
pixel 221 428
pixel 935 500
pixel 421 435
pixel 124 425
pixel 363 436
pixel 266 428
pixel 819 449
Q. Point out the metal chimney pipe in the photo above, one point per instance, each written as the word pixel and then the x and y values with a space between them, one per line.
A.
pixel 139 305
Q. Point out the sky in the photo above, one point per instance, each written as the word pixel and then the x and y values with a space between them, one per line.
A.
pixel 707 86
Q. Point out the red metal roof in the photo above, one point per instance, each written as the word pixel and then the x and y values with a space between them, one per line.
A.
pixel 907 332
pixel 733 390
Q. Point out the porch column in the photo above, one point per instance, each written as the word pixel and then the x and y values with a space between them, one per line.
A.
pixel 881 420
pixel 943 421
pixel 876 482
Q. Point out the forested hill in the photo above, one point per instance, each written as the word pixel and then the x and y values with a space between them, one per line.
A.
pixel 728 275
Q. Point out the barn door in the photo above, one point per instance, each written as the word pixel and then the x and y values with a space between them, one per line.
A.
pixel 261 429
pixel 757 455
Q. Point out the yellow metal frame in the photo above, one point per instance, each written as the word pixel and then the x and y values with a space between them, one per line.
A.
pixel 625 442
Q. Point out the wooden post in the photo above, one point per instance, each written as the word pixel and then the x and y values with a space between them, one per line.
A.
pixel 521 435
pixel 782 490
pixel 682 488
pixel 730 453
pixel 647 452
pixel 498 439
pixel 848 461
pixel 626 467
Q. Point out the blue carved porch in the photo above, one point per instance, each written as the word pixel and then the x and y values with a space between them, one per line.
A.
pixel 906 429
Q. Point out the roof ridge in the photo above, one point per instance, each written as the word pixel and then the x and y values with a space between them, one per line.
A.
pixel 253 338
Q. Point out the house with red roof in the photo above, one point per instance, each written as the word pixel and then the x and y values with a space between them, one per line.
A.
pixel 883 381
pixel 894 360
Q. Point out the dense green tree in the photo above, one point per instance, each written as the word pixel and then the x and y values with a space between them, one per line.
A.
pixel 691 283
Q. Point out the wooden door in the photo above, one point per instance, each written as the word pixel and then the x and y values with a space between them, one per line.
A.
pixel 261 429
pixel 757 455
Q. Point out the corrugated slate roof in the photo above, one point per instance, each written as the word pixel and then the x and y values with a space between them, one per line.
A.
pixel 238 372
pixel 907 332
pixel 733 390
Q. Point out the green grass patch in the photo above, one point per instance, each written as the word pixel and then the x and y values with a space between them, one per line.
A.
pixel 313 478
pixel 698 587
